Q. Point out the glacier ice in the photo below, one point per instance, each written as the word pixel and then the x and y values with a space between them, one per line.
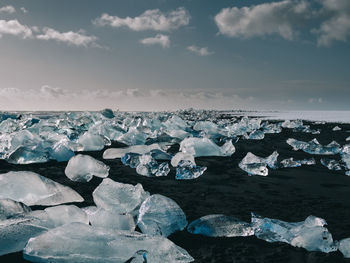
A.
pixel 33 189
pixel 206 147
pixel 10 208
pixel 119 197
pixel 113 153
pixel 81 168
pixel 309 234
pixel 336 128
pixel 160 215
pixel 255 165
pixel 331 164
pixel 186 170
pixel 219 225
pixel 314 147
pixel 256 135
pixel 344 247
pixel 180 156
pixel 108 113
pixel 290 162
pixel 91 142
pixel 80 243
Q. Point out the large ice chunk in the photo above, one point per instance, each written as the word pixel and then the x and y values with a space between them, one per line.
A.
pixel 186 170
pixel 119 197
pixel 219 225
pixel 91 142
pixel 113 153
pixel 180 156
pixel 81 168
pixel 82 243
pixel 33 189
pixel 290 162
pixel 331 164
pixel 344 247
pixel 309 234
pixel 160 215
pixel 10 208
pixel 255 165
pixel 206 147
pixel 314 147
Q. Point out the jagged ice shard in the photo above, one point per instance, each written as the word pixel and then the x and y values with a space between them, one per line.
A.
pixel 33 189
pixel 80 243
pixel 314 147
pixel 81 168
pixel 186 170
pixel 119 197
pixel 309 234
pixel 219 225
pixel 160 215
pixel 206 147
pixel 255 165
pixel 114 153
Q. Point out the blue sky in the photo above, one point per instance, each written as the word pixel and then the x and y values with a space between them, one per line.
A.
pixel 167 54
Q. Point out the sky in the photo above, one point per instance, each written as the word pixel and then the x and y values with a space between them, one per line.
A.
pixel 173 54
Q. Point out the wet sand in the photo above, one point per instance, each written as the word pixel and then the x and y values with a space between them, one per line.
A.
pixel 289 194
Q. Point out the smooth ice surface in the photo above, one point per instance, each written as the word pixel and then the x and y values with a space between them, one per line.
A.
pixel 113 153
pixel 16 231
pixel 10 208
pixel 180 156
pixel 186 170
pixel 255 165
pixel 344 247
pixel 81 168
pixel 309 234
pixel 206 147
pixel 82 243
pixel 219 225
pixel 256 135
pixel 314 147
pixel 336 128
pixel 33 189
pixel 119 197
pixel 160 215
pixel 91 142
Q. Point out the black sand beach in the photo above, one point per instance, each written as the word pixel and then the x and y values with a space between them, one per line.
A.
pixel 289 194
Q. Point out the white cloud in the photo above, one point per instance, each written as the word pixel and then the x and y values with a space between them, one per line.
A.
pixel 159 39
pixel 201 51
pixel 149 20
pixel 7 9
pixel 24 10
pixel 13 27
pixel 337 27
pixel 72 38
pixel 279 18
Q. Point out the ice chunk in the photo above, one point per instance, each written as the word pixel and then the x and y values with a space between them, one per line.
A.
pixel 271 127
pixel 82 168
pixel 314 147
pixel 309 234
pixel 60 152
pixel 28 154
pixel 290 124
pixel 78 242
pixel 186 170
pixel 180 156
pixel 220 226
pixel 91 142
pixel 160 215
pixel 33 189
pixel 256 135
pixel 206 147
pixel 139 257
pixel 347 139
pixel 290 162
pixel 336 128
pixel 255 165
pixel 10 208
pixel 99 217
pixel 119 197
pixel 133 137
pixel 331 164
pixel 344 247
pixel 113 153
pixel 108 113
pixel 175 123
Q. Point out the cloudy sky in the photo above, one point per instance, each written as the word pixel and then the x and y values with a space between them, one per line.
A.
pixel 171 54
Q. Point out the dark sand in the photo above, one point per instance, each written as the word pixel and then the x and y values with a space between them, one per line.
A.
pixel 289 194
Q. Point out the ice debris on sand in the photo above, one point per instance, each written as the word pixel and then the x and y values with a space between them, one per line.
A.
pixel 290 162
pixel 206 147
pixel 160 215
pixel 255 165
pixel 119 197
pixel 33 189
pixel 186 170
pixel 78 242
pixel 219 225
pixel 113 153
pixel 331 164
pixel 314 147
pixel 309 234
pixel 81 168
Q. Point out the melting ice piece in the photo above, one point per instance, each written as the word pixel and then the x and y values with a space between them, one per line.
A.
pixel 113 153
pixel 133 137
pixel 186 170
pixel 10 208
pixel 82 168
pixel 78 242
pixel 119 197
pixel 180 156
pixel 91 142
pixel 309 234
pixel 60 152
pixel 256 135
pixel 336 128
pixel 28 154
pixel 160 215
pixel 139 257
pixel 331 164
pixel 314 147
pixel 347 139
pixel 33 189
pixel 255 165
pixel 147 166
pixel 344 247
pixel 271 127
pixel 220 226
pixel 15 232
pixel 206 147
pixel 99 217
pixel 290 124
pixel 290 162
pixel 108 113
pixel 345 156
